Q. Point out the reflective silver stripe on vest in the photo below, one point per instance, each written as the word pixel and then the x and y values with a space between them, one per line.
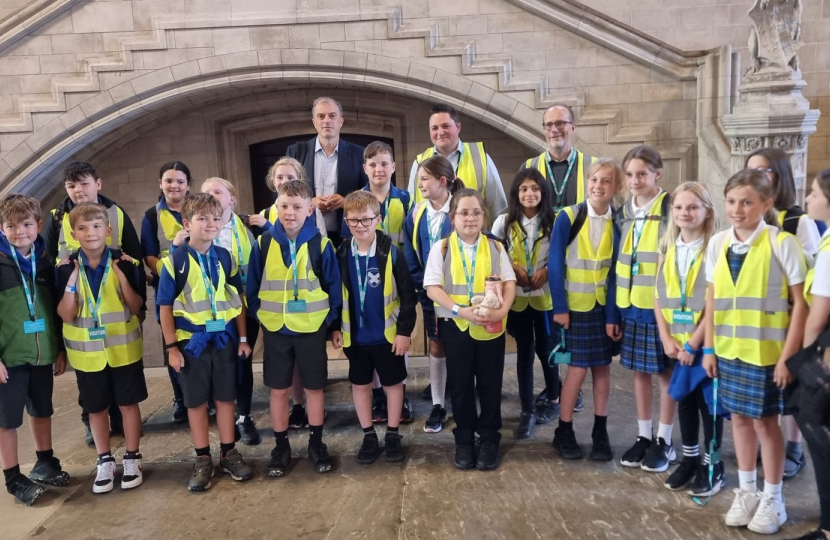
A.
pixel 279 307
pixel 114 218
pixel 584 288
pixel 98 345
pixel 750 332
pixel 475 154
pixel 203 305
pixel 461 290
pixel 639 281
pixel 767 305
pixel 106 318
pixel 278 285
pixel 643 257
pixel 397 237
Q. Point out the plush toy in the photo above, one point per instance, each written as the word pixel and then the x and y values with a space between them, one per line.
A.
pixel 491 299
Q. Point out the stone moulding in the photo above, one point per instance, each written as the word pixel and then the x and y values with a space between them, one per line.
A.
pixel 18 25
pixel 616 36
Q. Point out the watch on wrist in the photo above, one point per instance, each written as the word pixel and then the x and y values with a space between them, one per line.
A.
pixel 243 339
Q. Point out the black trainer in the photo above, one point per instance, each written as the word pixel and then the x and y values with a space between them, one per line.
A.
pixel 379 412
pixel 280 459
pixel 49 472
pixel 659 456
pixel 234 465
pixel 465 457
pixel 579 406
pixel 211 408
pixel 700 485
pixel 369 450
pixel 319 456
pixel 249 435
pixel 488 456
pixel 179 411
pixel 88 439
pixel 298 419
pixel 601 449
pixel 684 474
pixel 437 417
pixel 633 457
pixel 817 534
pixel 527 423
pixel 546 411
pixel 407 413
pixel 564 440
pixel 427 393
pixel 24 490
pixel 394 451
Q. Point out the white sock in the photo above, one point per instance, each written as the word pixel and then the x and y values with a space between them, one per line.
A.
pixel 747 480
pixel 664 430
pixel 406 363
pixel 438 378
pixel 241 419
pixel 645 427
pixel 774 490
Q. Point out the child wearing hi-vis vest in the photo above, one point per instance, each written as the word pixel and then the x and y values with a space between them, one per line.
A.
pixel 526 232
pixel 378 317
pixel 379 166
pixel 99 309
pixel 204 328
pixel 456 271
pixel 294 290
pixel 679 306
pixel 642 223
pixel 755 318
pixel 582 249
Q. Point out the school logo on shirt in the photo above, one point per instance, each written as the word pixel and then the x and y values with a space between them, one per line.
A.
pixel 373 274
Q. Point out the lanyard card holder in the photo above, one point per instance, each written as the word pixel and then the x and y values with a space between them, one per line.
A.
pixel 559 354
pixel 215 325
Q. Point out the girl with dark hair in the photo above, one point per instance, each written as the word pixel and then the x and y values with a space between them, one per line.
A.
pixel 161 231
pixel 525 230
pixel 776 164
pixel 427 223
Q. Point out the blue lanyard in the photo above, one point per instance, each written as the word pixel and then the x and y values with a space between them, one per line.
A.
pixel 362 284
pixel 384 223
pixel 683 280
pixel 292 247
pixel 434 238
pixel 561 190
pixel 31 296
pixel 208 285
pixel 469 276
pixel 93 308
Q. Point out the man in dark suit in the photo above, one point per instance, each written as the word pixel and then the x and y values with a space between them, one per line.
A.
pixel 334 167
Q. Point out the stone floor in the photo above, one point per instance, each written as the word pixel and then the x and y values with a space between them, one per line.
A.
pixel 533 494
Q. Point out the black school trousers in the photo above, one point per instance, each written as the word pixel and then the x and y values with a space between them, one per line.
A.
pixel 530 329
pixel 474 369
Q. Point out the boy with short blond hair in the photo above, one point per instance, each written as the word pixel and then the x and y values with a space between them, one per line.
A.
pixel 294 291
pixel 204 327
pixel 382 290
pixel 99 309
pixel 30 349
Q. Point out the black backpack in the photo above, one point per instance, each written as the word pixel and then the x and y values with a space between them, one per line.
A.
pixel 791 220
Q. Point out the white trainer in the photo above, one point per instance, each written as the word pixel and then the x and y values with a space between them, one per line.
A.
pixel 132 476
pixel 105 479
pixel 769 516
pixel 743 508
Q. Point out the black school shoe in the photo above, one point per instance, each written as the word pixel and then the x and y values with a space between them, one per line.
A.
pixel 684 474
pixel 319 456
pixel 24 490
pixel 527 423
pixel 179 411
pixel 601 450
pixel 394 451
pixel 546 411
pixel 248 433
pixel 488 456
pixel 49 472
pixel 564 440
pixel 278 464
pixel 298 419
pixel 465 457
pixel 369 450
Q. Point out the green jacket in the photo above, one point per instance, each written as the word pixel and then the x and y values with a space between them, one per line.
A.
pixel 16 347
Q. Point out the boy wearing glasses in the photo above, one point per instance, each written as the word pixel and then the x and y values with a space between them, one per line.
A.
pixel 294 292
pixel 378 317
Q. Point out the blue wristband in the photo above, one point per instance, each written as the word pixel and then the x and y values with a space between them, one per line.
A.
pixel 708 350
pixel 689 348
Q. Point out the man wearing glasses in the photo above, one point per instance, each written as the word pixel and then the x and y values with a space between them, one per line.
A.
pixel 472 165
pixel 562 164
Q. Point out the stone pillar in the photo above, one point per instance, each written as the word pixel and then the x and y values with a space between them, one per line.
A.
pixel 771 110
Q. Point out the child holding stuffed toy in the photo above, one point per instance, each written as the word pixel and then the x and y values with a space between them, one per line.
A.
pixel 456 272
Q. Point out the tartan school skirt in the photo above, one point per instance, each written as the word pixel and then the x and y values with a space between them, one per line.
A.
pixel 586 339
pixel 749 390
pixel 642 349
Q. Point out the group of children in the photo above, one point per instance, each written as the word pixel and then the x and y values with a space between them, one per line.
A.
pixel 714 315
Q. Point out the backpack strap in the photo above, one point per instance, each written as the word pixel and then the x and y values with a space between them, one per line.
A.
pixel 579 221
pixel 792 219
pixel 665 209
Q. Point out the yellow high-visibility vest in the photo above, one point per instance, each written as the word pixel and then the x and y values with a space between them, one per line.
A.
pixel 166 229
pixel 538 299
pixel 68 245
pixel 540 163
pixel 586 270
pixel 668 294
pixel 824 246
pixel 752 315
pixel 472 167
pixel 637 289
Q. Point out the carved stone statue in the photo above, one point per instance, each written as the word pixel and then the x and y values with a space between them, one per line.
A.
pixel 775 38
